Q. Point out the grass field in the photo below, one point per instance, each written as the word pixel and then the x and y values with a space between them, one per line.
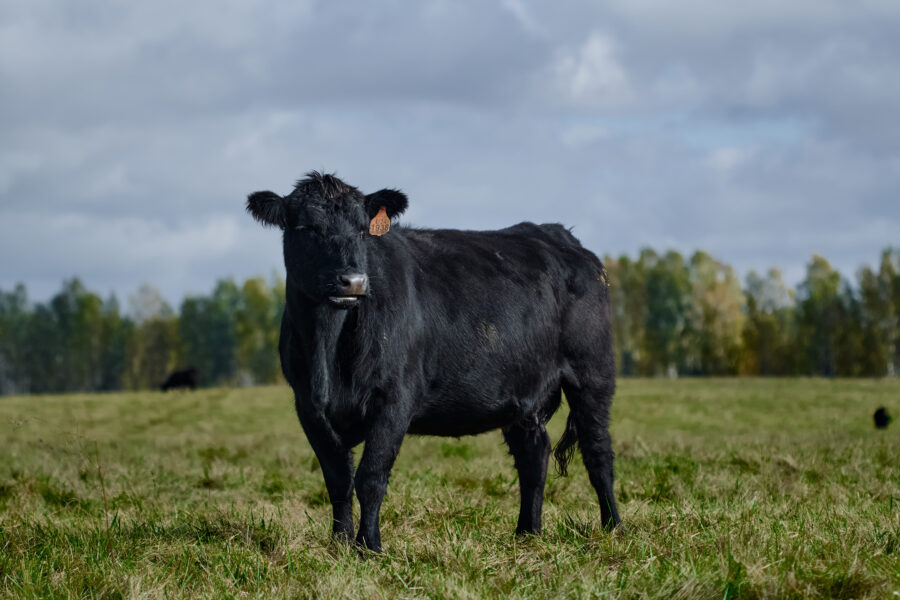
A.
pixel 729 488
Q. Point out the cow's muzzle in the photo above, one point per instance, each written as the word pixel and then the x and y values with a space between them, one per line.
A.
pixel 350 289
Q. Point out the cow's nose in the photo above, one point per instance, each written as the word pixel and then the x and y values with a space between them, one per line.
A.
pixel 354 284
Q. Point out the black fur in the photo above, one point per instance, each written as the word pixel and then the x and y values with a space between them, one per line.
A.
pixel 393 201
pixel 565 447
pixel 186 378
pixel 882 418
pixel 461 332
pixel 267 208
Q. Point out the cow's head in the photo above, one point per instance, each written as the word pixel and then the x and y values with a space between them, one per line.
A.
pixel 326 229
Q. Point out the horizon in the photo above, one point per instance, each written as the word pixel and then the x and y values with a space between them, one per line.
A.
pixel 124 300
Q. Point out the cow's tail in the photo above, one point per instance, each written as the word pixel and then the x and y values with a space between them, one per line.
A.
pixel 565 447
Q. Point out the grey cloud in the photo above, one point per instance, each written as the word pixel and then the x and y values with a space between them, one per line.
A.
pixel 132 132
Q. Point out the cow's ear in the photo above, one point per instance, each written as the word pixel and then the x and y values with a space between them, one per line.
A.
pixel 393 201
pixel 268 208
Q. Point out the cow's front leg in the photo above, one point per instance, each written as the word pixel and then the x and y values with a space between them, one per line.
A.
pixel 336 462
pixel 382 446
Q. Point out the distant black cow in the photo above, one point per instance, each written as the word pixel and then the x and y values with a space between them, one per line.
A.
pixel 186 378
pixel 438 332
pixel 882 418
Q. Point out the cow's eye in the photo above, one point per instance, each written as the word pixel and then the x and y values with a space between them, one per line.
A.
pixel 315 231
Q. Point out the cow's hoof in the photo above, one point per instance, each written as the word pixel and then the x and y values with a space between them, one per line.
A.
pixel 367 548
pixel 342 537
pixel 366 553
pixel 528 533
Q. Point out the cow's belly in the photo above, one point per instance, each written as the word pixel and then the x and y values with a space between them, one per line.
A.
pixel 469 410
pixel 456 425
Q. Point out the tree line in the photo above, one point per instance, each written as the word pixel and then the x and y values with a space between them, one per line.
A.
pixel 79 342
pixel 671 316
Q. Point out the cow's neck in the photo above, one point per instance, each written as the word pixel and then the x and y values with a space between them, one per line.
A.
pixel 319 327
pixel 315 330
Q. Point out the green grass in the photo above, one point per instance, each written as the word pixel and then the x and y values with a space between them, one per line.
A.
pixel 729 489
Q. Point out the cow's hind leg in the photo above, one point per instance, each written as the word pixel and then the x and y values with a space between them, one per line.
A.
pixel 590 403
pixel 530 447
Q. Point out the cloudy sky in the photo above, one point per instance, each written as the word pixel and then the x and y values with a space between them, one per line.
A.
pixel 131 132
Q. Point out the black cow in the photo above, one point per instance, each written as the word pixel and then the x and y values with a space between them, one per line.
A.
pixel 437 332
pixel 186 378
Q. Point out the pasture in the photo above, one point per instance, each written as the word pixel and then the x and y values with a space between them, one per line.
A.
pixel 735 488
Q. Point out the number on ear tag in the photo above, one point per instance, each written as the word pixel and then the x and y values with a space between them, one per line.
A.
pixel 380 223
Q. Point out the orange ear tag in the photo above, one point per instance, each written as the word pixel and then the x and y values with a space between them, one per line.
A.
pixel 380 223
